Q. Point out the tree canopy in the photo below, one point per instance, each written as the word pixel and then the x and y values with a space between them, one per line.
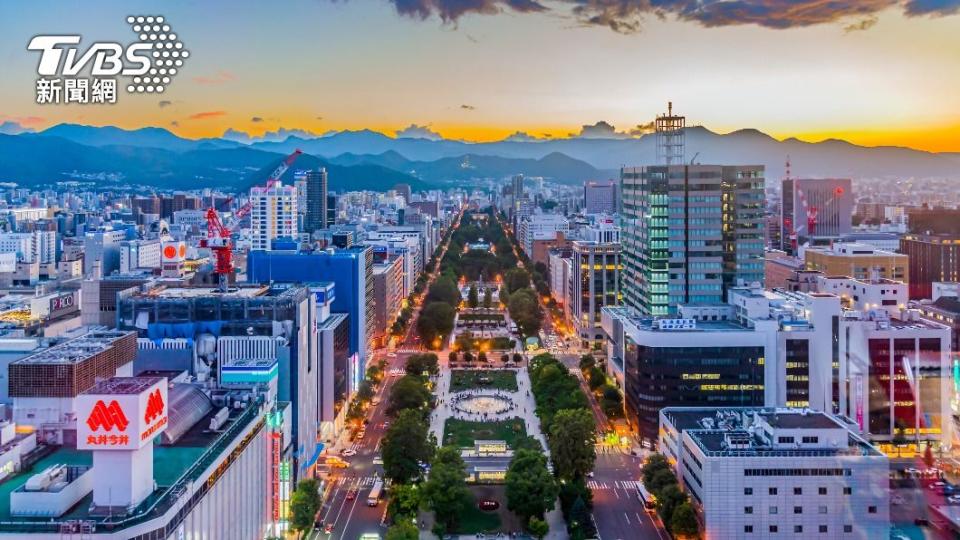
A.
pixel 406 444
pixel 531 489
pixel 446 487
pixel 304 504
pixel 573 434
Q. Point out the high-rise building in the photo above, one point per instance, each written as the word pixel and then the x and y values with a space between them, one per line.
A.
pixel 595 285
pixel 859 261
pixel 814 211
pixel 273 215
pixel 932 258
pixel 600 197
pixel 316 200
pixel 689 232
pixel 771 472
pixel 331 209
pixel 388 289
pixel 350 269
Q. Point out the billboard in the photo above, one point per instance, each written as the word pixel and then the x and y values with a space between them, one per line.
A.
pixel 121 420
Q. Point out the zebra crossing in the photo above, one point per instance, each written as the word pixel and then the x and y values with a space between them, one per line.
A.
pixel 616 484
pixel 356 482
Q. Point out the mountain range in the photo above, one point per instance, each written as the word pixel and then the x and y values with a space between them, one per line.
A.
pixel 370 160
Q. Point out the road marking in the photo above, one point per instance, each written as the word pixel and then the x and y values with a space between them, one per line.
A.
pixel 616 493
pixel 625 516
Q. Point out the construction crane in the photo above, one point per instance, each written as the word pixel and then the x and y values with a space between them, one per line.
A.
pixel 218 233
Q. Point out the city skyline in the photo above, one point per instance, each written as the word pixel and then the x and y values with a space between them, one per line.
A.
pixel 872 73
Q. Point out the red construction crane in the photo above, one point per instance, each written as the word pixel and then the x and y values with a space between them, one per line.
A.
pixel 218 234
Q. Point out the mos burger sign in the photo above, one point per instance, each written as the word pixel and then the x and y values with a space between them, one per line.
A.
pixel 122 413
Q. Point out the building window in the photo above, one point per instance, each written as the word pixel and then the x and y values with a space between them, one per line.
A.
pixel 773 509
pixel 747 509
pixel 848 528
pixel 823 528
pixel 748 528
pixel 797 509
pixel 871 509
pixel 822 490
pixel 773 528
pixel 798 528
pixel 797 491
pixel 748 491
pixel 822 509
pixel 772 491
pixel 848 490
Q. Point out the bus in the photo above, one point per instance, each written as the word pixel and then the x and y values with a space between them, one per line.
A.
pixel 374 498
pixel 648 499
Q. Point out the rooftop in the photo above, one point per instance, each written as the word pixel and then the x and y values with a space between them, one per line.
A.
pixel 76 350
pixel 174 468
pixel 123 385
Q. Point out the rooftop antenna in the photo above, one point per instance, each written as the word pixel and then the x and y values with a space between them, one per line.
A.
pixel 670 137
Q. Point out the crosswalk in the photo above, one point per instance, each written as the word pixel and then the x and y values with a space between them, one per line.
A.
pixel 616 484
pixel 356 482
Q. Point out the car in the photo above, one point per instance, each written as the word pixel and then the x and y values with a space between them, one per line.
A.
pixel 953 499
pixel 921 522
pixel 590 474
pixel 348 452
pixel 351 494
pixel 391 355
pixel 377 460
pixel 328 528
pixel 938 485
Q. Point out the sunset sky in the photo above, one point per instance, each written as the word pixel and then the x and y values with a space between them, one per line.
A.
pixel 874 72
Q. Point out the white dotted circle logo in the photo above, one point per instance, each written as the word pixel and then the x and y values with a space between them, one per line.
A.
pixel 167 52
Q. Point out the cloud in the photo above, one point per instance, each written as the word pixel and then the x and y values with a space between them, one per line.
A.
pixel 221 77
pixel 521 136
pixel 628 16
pixel 451 10
pixel 862 24
pixel 256 119
pixel 164 103
pixel 414 131
pixel 207 114
pixel 600 130
pixel 9 127
pixel 642 129
pixel 279 135
pixel 468 107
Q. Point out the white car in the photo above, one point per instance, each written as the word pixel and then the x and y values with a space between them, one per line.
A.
pixel 953 499
pixel 391 355
pixel 348 452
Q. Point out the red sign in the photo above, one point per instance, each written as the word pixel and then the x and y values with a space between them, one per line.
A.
pixel 154 406
pixel 108 417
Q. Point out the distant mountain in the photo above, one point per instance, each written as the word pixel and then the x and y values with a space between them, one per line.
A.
pixel 148 137
pixel 31 159
pixel 556 166
pixel 748 146
pixel 158 157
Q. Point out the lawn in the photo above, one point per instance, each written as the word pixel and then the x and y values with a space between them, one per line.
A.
pixel 473 520
pixel 499 379
pixel 463 433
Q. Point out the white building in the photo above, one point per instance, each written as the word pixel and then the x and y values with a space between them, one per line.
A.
pixel 541 227
pixel 36 246
pixel 766 472
pixel 137 254
pixel 273 215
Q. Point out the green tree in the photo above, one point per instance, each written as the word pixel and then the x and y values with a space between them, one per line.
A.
pixel 538 527
pixel 405 501
pixel 365 391
pixel 573 434
pixel 403 530
pixel 596 378
pixel 435 322
pixel 611 401
pixel 482 357
pixel 423 363
pixel 580 521
pixel 446 487
pixel 444 289
pixel 660 480
pixel 669 498
pixel 304 504
pixel 531 489
pixel 516 279
pixel 684 522
pixel 473 298
pixel 452 357
pixel 587 361
pixel 654 464
pixel 525 311
pixel 570 492
pixel 408 393
pixel 487 298
pixel 406 444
